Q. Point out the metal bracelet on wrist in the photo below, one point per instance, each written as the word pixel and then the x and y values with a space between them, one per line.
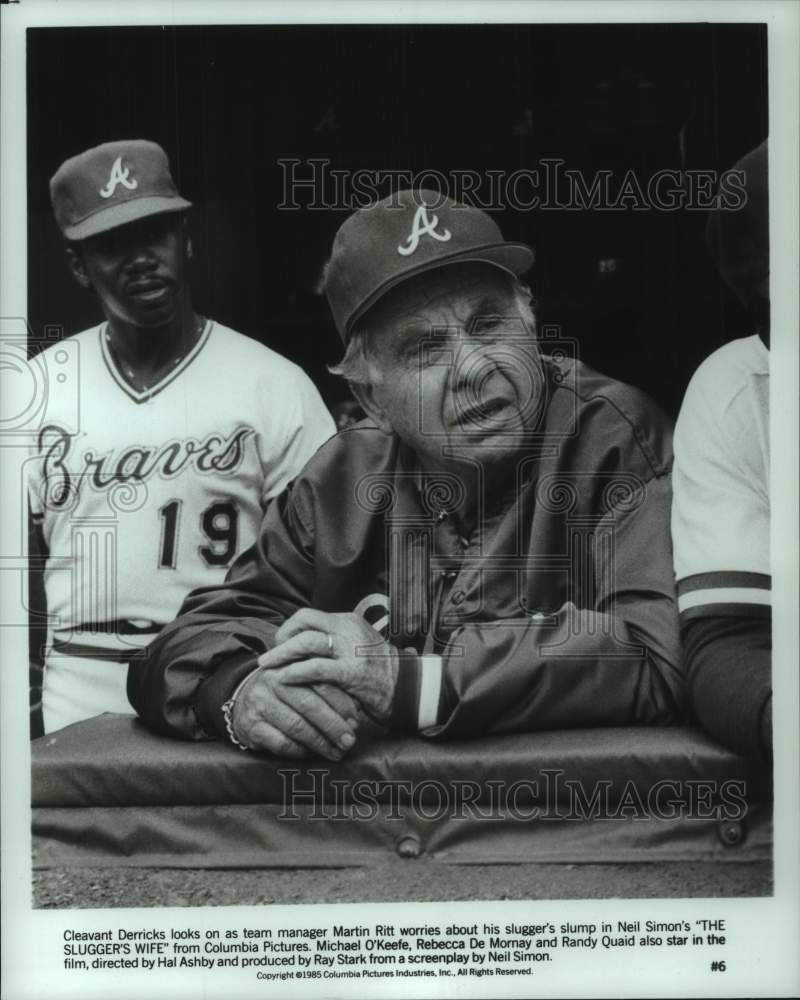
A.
pixel 227 715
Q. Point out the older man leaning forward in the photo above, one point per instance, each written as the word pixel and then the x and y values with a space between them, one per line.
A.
pixel 488 552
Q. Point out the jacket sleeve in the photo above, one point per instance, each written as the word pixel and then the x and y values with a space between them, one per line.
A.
pixel 615 663
pixel 179 685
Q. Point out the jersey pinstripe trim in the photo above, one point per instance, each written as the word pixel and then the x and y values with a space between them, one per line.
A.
pixel 143 397
pixel 119 641
pixel 82 651
pixel 724 593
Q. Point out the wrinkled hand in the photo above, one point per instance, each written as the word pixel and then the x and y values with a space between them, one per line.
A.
pixel 356 659
pixel 292 721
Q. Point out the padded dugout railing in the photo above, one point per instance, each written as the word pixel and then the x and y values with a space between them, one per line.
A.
pixel 108 792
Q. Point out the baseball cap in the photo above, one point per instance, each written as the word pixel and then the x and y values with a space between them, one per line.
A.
pixel 404 235
pixel 112 185
pixel 738 238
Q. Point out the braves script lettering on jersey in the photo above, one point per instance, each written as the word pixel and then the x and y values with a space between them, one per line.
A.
pixel 143 497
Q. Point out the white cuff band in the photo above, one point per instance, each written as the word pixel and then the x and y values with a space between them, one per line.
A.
pixel 430 686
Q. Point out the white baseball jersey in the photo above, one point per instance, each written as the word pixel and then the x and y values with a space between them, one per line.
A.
pixel 720 511
pixel 143 496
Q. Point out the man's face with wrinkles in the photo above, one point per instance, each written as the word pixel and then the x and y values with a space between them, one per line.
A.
pixel 459 365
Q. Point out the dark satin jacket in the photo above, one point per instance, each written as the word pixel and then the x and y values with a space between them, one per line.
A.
pixel 556 611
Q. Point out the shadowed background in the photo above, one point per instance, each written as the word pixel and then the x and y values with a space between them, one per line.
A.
pixel 227 103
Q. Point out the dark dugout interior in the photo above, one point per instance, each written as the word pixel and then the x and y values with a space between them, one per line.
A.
pixel 634 288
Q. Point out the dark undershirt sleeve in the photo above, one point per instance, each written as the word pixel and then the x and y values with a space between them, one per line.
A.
pixel 729 668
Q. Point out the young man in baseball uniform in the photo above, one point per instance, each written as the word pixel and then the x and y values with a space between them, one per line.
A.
pixel 162 446
pixel 721 507
pixel 488 552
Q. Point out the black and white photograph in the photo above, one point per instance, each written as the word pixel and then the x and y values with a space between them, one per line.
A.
pixel 399 465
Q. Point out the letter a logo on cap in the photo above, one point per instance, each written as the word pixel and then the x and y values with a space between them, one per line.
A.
pixel 421 226
pixel 118 175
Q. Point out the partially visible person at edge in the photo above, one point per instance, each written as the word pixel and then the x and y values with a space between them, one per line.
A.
pixel 164 441
pixel 488 552
pixel 720 516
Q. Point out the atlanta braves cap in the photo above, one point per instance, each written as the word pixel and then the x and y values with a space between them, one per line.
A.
pixel 112 185
pixel 405 235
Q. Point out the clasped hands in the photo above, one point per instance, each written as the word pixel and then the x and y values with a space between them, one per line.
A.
pixel 312 689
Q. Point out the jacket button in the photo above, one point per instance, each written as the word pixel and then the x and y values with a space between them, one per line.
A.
pixel 458 597
pixel 408 846
pixel 731 832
